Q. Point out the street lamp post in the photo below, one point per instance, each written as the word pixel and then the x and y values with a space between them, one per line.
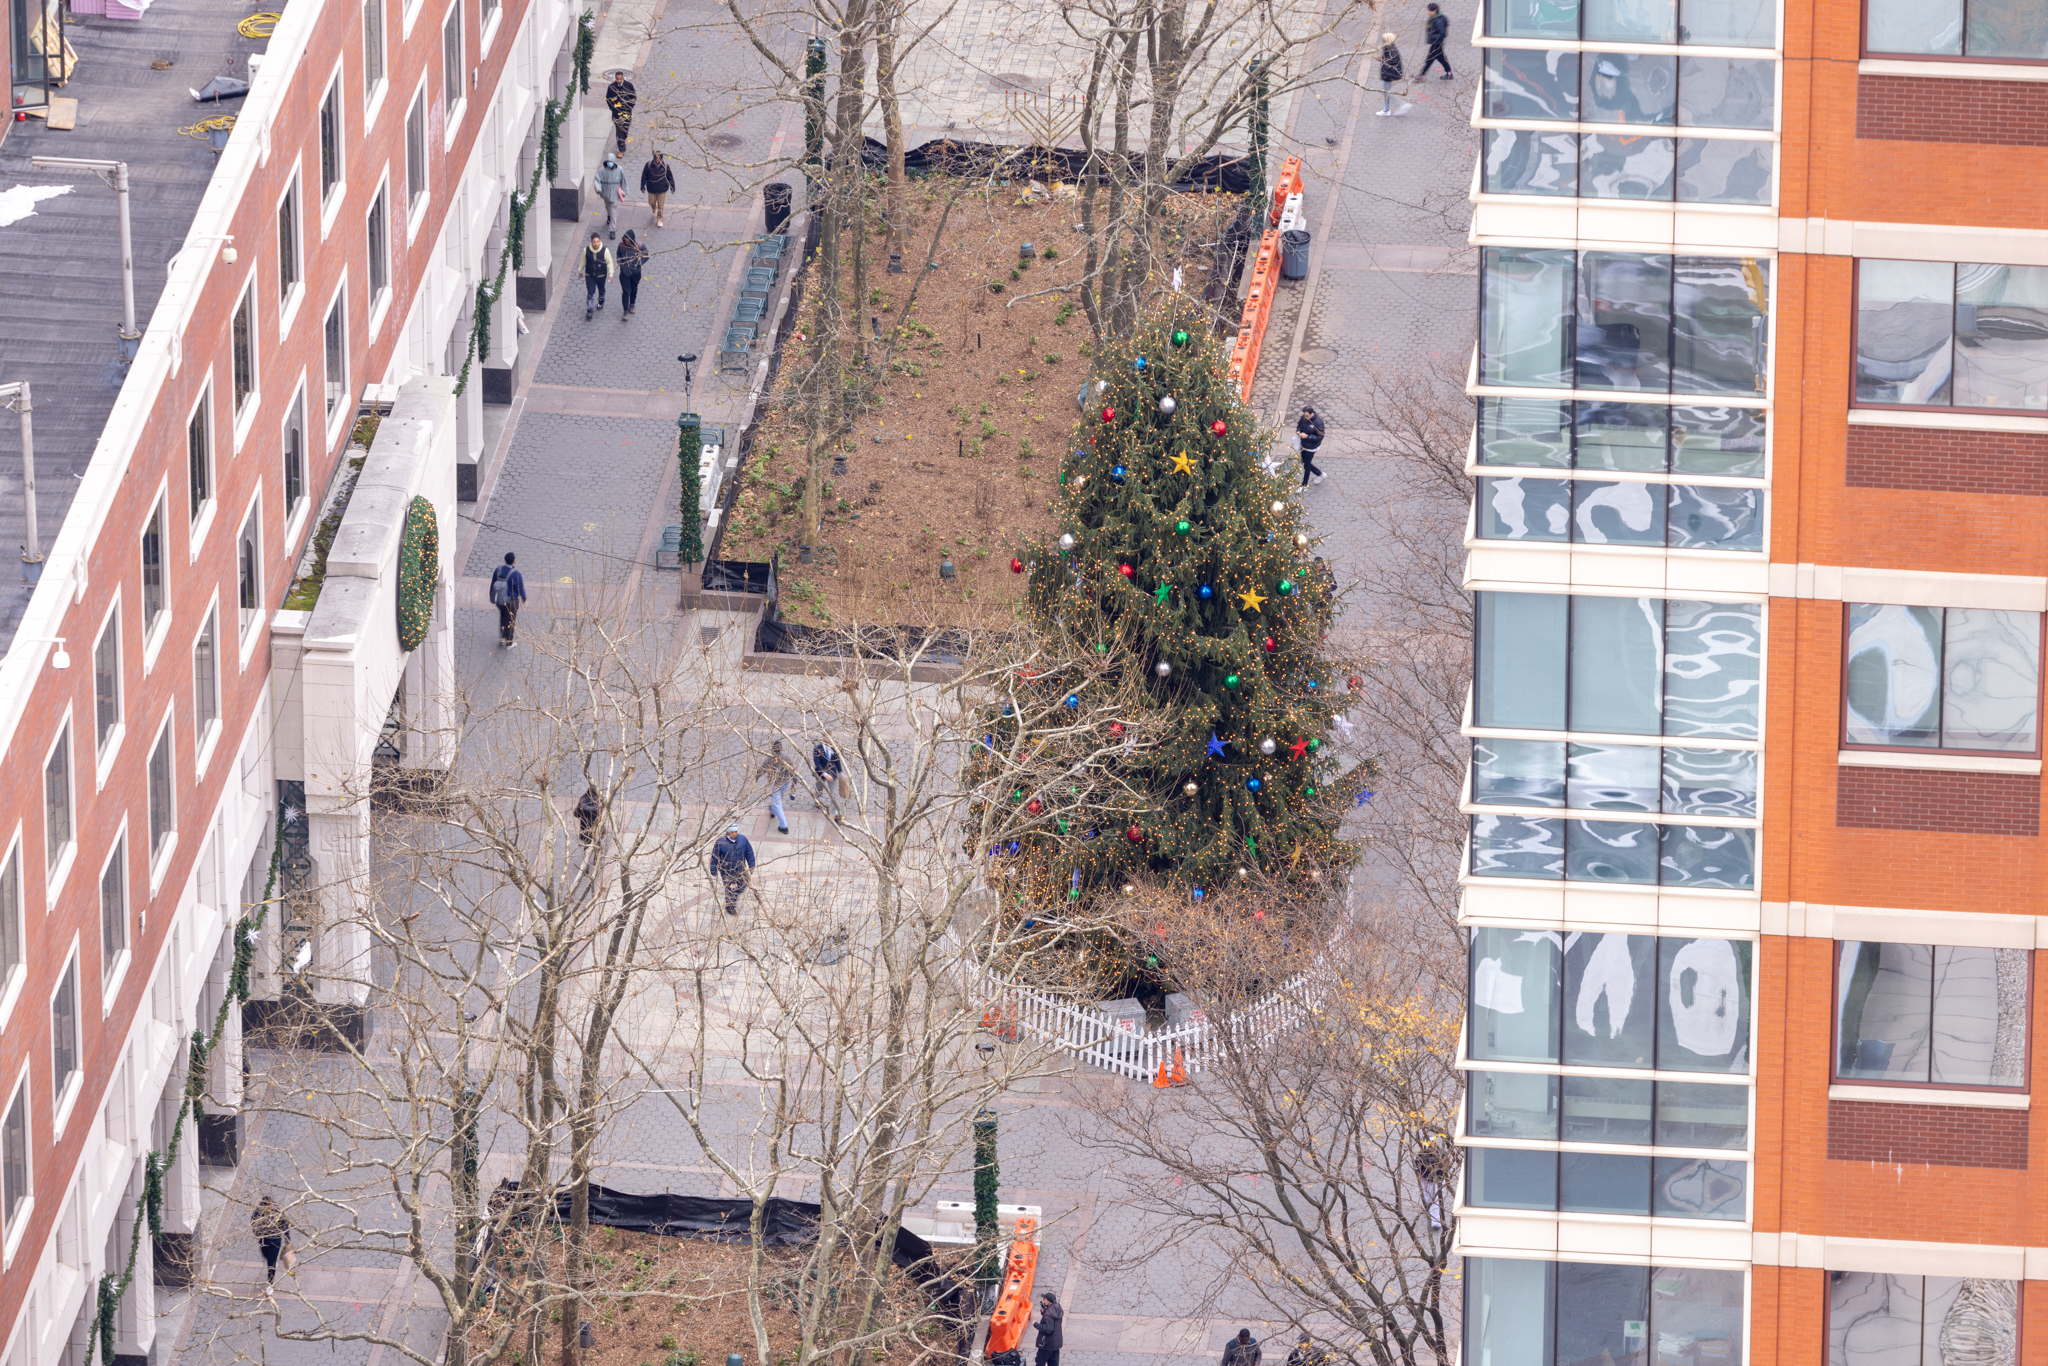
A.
pixel 115 174
pixel 17 397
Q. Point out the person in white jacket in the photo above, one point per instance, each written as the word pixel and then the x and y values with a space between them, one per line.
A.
pixel 596 264
pixel 611 188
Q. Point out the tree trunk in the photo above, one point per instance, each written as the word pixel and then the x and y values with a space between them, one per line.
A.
pixel 892 118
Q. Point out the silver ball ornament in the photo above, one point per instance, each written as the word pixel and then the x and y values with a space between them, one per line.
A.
pixel 1188 789
pixel 1130 888
pixel 1080 481
pixel 1301 540
pixel 1167 405
pixel 1268 745
pixel 1279 506
pixel 1162 668
pixel 1101 386
pixel 1242 874
pixel 1067 541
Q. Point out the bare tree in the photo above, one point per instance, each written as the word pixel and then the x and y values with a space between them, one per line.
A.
pixel 1311 1146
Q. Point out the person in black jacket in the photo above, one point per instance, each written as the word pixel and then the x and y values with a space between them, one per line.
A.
pixel 826 768
pixel 588 807
pixel 597 265
pixel 1052 1330
pixel 619 98
pixel 632 260
pixel 1243 1350
pixel 1308 439
pixel 1438 29
pixel 732 860
pixel 1390 76
pixel 657 178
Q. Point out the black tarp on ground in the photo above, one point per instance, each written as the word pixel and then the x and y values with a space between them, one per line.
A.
pixel 950 156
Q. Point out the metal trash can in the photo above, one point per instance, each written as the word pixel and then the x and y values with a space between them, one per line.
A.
pixel 775 202
pixel 1294 254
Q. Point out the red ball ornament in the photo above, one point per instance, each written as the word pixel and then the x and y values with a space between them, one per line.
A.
pixel 1258 915
pixel 1016 566
pixel 1034 806
pixel 1218 427
pixel 1116 728
pixel 1134 835
pixel 1125 570
pixel 1270 646
pixel 1109 414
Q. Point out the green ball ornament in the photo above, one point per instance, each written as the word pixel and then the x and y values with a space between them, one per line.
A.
pixel 1018 795
pixel 1230 680
pixel 1314 745
pixel 1286 587
pixel 1151 960
pixel 1309 792
pixel 1183 527
pixel 1180 337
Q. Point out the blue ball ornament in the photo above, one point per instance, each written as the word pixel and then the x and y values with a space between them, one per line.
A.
pixel 1198 893
pixel 1073 701
pixel 1117 474
pixel 1138 364
pixel 1252 783
pixel 1205 592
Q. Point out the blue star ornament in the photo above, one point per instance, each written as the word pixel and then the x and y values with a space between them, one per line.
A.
pixel 1215 745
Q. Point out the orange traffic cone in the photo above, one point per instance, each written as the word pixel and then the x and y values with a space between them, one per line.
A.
pixel 1179 1075
pixel 1159 1078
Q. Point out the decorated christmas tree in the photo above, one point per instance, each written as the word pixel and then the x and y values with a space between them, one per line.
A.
pixel 1184 568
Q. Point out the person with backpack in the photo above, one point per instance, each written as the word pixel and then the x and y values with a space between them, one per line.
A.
pixel 657 178
pixel 1435 31
pixel 632 259
pixel 273 1237
pixel 1390 76
pixel 732 862
pixel 1308 439
pixel 508 590
pixel 830 773
pixel 597 266
pixel 619 99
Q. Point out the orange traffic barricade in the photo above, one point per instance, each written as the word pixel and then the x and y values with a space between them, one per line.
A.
pixel 1013 1307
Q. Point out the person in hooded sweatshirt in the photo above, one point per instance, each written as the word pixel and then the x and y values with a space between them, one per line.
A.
pixel 619 99
pixel 596 265
pixel 1052 1330
pixel 632 260
pixel 1391 72
pixel 611 188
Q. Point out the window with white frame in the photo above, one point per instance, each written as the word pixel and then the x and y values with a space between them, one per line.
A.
pixel 106 679
pixel 1956 678
pixel 331 135
pixel 249 568
pixel 242 346
pixel 373 47
pixel 114 908
pixel 153 567
pixel 163 804
pixel 295 452
pixel 199 455
pixel 454 84
pixel 416 152
pixel 288 262
pixel 206 678
pixel 57 833
pixel 334 352
pixel 14 1187
pixel 64 1031
pixel 10 914
pixel 377 235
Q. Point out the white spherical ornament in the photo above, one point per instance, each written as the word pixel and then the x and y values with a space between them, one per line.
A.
pixel 1080 481
pixel 1067 541
pixel 1242 874
pixel 1268 745
pixel 1315 875
pixel 1162 668
pixel 1167 405
pixel 1188 789
pixel 1279 506
pixel 1129 888
pixel 1101 386
pixel 1301 540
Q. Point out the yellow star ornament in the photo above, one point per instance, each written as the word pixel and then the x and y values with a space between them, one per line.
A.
pixel 1183 465
pixel 1251 599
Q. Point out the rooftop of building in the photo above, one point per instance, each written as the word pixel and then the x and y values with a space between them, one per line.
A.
pixel 60 258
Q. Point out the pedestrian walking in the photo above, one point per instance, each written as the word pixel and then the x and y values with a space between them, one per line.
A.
pixel 273 1237
pixel 1052 1330
pixel 1433 1172
pixel 599 265
pixel 1435 31
pixel 732 862
pixel 781 776
pixel 619 97
pixel 632 259
pixel 587 808
pixel 1390 76
pixel 831 776
pixel 508 590
pixel 611 188
pixel 657 178
pixel 1243 1350
pixel 1308 439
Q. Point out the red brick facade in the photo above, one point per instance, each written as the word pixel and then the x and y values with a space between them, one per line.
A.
pixel 1927 1135
pixel 1945 460
pixel 1984 113
pixel 1934 799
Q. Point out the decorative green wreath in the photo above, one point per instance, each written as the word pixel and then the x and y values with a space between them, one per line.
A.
pixel 419 565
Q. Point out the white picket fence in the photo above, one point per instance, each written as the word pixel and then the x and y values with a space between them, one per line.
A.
pixel 1124 1046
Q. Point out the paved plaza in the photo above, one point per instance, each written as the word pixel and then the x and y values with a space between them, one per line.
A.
pixel 579 480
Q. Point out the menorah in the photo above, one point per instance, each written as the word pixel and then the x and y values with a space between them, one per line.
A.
pixel 1044 118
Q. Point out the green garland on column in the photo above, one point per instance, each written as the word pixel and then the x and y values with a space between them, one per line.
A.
pixel 689 455
pixel 987 1182
pixel 100 1338
pixel 419 567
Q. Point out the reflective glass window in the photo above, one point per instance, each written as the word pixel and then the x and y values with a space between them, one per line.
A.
pixel 1882 1320
pixel 1715 440
pixel 1514 995
pixel 1933 28
pixel 1719 316
pixel 1723 171
pixel 2001 341
pixel 1621 436
pixel 1530 432
pixel 1629 21
pixel 1532 83
pixel 1517 846
pixel 1610 851
pixel 2006 28
pixel 1617 664
pixel 1713 655
pixel 1702 1114
pixel 1508 1307
pixel 1706 517
pixel 1703 1001
pixel 1610 1007
pixel 1696 1316
pixel 1623 321
pixel 1612 777
pixel 1710 782
pixel 1960 678
pixel 1626 166
pixel 1603 1183
pixel 1525 161
pixel 1511 1178
pixel 1727 92
pixel 1905 312
pixel 1700 1188
pixel 1510 1105
pixel 1518 772
pixel 1728 23
pixel 1711 856
pixel 1520 661
pixel 1525 305
pixel 1618 514
pixel 1636 88
pixel 1606 1109
pixel 1521 509
pixel 1893 695
pixel 1603 1313
pixel 1884 1006
pixel 1980 1017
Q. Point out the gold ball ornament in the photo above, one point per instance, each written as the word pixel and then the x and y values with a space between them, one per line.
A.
pixel 1189 789
pixel 1279 506
pixel 1301 540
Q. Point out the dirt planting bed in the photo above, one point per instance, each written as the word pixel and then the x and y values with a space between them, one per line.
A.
pixel 958 455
